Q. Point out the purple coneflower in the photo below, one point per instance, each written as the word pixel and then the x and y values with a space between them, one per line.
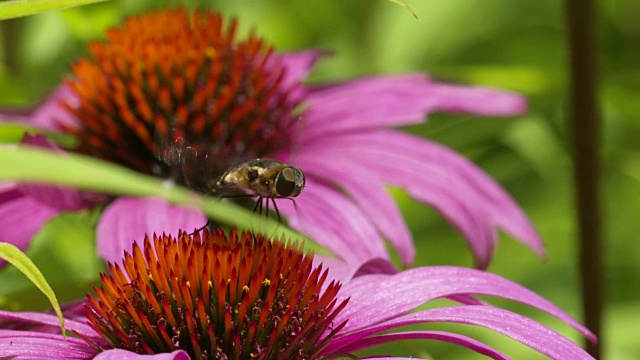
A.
pixel 240 296
pixel 172 85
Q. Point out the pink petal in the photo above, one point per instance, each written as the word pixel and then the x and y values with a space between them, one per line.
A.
pixel 117 354
pixel 478 100
pixel 57 197
pixel 422 182
pixel 515 326
pixel 11 115
pixel 375 266
pixel 25 208
pixel 335 223
pixel 338 269
pixel 466 300
pixel 73 310
pixel 344 271
pixel 461 340
pixel 397 100
pixel 505 211
pixel 129 219
pixel 48 114
pixel 298 65
pixel 27 345
pixel 466 196
pixel 369 195
pixel 376 298
pixel 21 218
pixel 48 320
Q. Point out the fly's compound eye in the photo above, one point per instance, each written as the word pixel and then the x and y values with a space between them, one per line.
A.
pixel 252 175
pixel 289 182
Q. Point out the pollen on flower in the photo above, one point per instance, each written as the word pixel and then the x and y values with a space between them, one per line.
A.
pixel 174 84
pixel 209 294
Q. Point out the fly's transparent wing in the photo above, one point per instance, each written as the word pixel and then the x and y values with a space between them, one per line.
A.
pixel 197 164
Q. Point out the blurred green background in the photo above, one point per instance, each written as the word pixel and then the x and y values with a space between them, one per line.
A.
pixel 515 45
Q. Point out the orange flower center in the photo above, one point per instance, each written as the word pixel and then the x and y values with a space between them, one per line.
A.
pixel 217 296
pixel 173 91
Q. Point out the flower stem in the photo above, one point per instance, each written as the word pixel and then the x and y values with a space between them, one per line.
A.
pixel 585 123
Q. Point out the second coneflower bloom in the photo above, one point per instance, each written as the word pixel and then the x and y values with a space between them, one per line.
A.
pixel 214 295
pixel 218 296
pixel 180 95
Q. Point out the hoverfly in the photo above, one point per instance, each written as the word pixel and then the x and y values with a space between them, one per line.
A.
pixel 264 179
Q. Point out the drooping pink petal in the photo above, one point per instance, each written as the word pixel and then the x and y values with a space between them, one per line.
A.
pixel 128 219
pixel 515 326
pixel 50 320
pixel 71 311
pixel 504 210
pixel 21 218
pixel 463 193
pixel 469 217
pixel 367 191
pixel 117 354
pixel 376 298
pixel 389 101
pixel 457 339
pixel 27 345
pixel 335 223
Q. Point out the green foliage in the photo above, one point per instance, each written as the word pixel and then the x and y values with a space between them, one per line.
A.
pixel 17 258
pixel 18 8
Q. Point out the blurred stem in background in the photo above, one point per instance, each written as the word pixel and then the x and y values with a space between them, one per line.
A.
pixel 10 39
pixel 585 124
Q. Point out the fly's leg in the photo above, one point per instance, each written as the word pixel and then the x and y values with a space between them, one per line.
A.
pixel 275 207
pixel 266 214
pixel 202 228
pixel 258 206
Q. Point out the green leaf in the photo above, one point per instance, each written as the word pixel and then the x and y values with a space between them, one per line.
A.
pixel 17 258
pixel 18 8
pixel 406 7
pixel 64 250
pixel 28 164
pixel 13 132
